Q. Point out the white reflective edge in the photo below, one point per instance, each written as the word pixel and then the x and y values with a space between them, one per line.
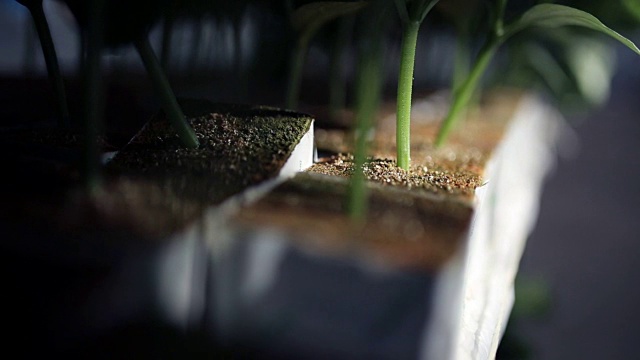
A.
pixel 475 291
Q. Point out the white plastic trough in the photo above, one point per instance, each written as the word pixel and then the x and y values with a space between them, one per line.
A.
pixel 254 290
pixel 332 304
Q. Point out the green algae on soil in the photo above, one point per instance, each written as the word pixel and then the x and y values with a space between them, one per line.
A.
pixel 240 146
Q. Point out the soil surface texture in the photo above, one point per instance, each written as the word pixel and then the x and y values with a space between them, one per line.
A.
pixel 416 218
pixel 154 186
pixel 434 178
pixel 402 228
pixel 240 146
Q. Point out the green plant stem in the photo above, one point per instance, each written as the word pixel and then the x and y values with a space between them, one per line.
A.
pixel 167 98
pixel 463 95
pixel 405 85
pixel 51 60
pixel 368 95
pixel 461 59
pixel 93 92
pixel 295 75
pixel 498 26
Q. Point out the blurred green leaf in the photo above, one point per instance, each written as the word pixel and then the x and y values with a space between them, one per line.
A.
pixel 532 299
pixel 633 6
pixel 307 19
pixel 547 66
pixel 424 7
pixel 554 16
pixel 592 66
pixel 403 12
pixel 414 10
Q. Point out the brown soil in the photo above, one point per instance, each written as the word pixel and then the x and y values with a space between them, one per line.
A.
pixel 146 209
pixel 403 228
pixel 155 187
pixel 239 147
pixel 416 218
pixel 456 169
pixel 456 181
pixel 169 185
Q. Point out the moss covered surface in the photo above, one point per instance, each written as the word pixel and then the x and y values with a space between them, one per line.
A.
pixel 154 187
pixel 240 146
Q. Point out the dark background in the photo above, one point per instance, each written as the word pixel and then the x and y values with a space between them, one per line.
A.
pixel 586 243
pixel 584 249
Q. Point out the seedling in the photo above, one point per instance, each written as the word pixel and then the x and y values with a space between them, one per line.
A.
pixel 93 104
pixel 368 91
pixel 163 89
pixel 306 21
pixel 549 16
pixel 50 58
pixel 412 14
pixel 97 33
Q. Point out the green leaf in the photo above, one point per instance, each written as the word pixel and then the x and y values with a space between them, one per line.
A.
pixel 554 16
pixel 307 19
pixel 414 10
pixel 633 6
pixel 401 6
pixel 425 7
pixel 591 63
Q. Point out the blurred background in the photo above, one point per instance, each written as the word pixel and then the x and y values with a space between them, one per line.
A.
pixel 576 293
pixel 585 247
